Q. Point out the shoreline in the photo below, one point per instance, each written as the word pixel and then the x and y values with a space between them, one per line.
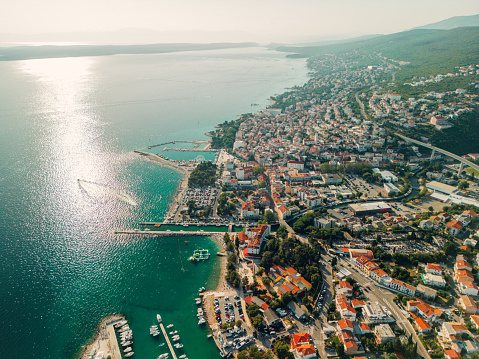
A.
pixel 101 337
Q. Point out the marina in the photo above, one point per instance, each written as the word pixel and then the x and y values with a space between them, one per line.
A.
pixel 173 354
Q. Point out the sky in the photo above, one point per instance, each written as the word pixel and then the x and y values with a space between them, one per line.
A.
pixel 272 20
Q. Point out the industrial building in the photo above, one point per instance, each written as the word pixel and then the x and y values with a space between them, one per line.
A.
pixel 363 209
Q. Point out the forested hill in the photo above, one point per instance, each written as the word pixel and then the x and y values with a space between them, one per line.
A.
pixel 452 23
pixel 437 51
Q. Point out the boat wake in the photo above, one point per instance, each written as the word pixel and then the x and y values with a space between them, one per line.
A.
pixel 99 191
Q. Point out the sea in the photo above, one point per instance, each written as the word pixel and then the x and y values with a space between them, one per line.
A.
pixel 69 178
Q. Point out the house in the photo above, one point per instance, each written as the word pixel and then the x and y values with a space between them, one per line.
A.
pixel 296 310
pixel 423 327
pixel 426 292
pixel 462 264
pixel 402 287
pixel 468 288
pixel 383 333
pixel 252 239
pixel 248 210
pixel 301 346
pixel 346 324
pixel 288 280
pixel 451 354
pixel 475 320
pixel 270 317
pixel 451 330
pixel 433 280
pixel 468 304
pixel 454 228
pixel 344 288
pixel 380 276
pixel 365 328
pixel 433 268
pixel 350 347
pixel 463 276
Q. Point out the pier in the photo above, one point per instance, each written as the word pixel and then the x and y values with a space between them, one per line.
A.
pixel 166 233
pixel 168 341
pixel 191 149
pixel 176 141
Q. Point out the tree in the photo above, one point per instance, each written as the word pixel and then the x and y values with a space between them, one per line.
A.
pixel 282 350
pixel 252 310
pixel 266 281
pixel 286 298
pixel 239 323
pixel 334 261
pixel 242 355
pixel 257 321
pixel 270 217
pixel 254 352
pixel 463 185
pixel 262 184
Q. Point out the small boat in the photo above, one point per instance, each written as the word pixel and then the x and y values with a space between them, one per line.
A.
pixel 173 332
pixel 125 344
pixel 129 354
pixel 155 334
pixel 163 356
pixel 127 349
pixel 202 289
pixel 198 301
pixel 209 336
pixel 182 356
pixel 120 324
pixel 178 345
pixel 176 338
pixel 170 326
pixel 201 321
pixel 158 317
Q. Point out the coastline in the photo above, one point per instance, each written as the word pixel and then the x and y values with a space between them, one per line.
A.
pixel 102 337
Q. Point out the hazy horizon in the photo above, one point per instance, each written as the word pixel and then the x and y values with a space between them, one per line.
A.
pixel 212 20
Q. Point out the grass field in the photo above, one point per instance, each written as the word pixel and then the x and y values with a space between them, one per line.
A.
pixel 472 170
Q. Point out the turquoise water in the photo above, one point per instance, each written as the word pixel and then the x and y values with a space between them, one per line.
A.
pixel 64 120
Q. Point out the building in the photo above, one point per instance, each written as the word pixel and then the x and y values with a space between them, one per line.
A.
pixel 468 288
pixel 454 228
pixel 383 333
pixel 426 292
pixel 440 187
pixel 423 327
pixel 301 346
pixel 270 317
pixel 367 208
pixel 324 223
pixel 288 280
pixel 296 310
pixel 402 287
pixel 344 288
pixel 331 178
pixel 433 280
pixel 468 304
pixel 386 175
pixel 433 268
pixel 251 240
pixel 374 313
pixel 298 165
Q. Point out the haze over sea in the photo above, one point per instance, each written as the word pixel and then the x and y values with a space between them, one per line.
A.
pixel 80 118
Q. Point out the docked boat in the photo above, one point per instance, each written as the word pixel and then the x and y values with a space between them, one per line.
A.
pixel 170 326
pixel 201 321
pixel 120 324
pixel 158 317
pixel 127 349
pixel 129 354
pixel 173 332
pixel 125 344
pixel 202 289
pixel 198 301
pixel 175 338
pixel 182 356
pixel 163 356
pixel 178 345
pixel 155 334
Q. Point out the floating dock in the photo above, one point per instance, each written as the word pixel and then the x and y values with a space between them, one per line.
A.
pixel 173 354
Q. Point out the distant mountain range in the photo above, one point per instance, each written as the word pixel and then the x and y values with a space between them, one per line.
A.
pixel 452 23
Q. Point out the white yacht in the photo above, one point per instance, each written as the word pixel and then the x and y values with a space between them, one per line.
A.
pixel 158 317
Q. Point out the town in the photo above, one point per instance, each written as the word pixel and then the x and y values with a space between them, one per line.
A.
pixel 358 237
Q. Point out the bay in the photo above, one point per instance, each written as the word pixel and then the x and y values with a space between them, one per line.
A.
pixel 70 119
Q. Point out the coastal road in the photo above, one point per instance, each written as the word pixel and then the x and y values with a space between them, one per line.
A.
pixel 386 298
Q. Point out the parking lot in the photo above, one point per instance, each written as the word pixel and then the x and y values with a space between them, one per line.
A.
pixel 228 309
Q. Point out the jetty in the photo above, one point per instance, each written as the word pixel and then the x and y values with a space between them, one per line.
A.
pixel 176 141
pixel 166 233
pixel 191 149
pixel 168 341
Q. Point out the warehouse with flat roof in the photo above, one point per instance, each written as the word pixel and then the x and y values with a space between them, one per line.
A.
pixel 363 209
pixel 440 187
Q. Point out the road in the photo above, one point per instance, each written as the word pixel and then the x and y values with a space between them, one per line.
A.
pixel 361 105
pixel 447 153
pixel 386 298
